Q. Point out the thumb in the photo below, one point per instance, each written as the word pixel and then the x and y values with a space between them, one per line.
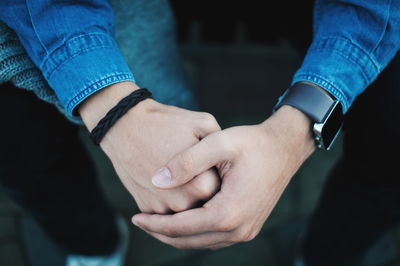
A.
pixel 193 161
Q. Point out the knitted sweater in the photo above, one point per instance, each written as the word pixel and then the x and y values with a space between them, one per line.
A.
pixel 159 68
pixel 16 67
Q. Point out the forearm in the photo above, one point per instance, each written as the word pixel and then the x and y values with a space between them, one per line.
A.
pixel 293 129
pixel 97 105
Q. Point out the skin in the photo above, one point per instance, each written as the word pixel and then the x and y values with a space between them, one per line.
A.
pixel 255 163
pixel 144 139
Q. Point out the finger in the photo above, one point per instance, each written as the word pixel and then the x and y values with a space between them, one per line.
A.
pixel 190 222
pixel 204 186
pixel 184 166
pixel 202 241
pixel 220 245
pixel 195 193
pixel 206 125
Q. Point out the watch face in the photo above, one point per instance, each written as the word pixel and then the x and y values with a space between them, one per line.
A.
pixel 332 125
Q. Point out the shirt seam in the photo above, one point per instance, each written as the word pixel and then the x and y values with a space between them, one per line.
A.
pixel 97 85
pixel 348 56
pixel 34 28
pixel 74 55
pixel 354 62
pixel 387 18
pixel 70 40
pixel 50 64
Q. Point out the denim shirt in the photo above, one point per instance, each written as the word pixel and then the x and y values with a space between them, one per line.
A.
pixel 72 43
pixel 353 42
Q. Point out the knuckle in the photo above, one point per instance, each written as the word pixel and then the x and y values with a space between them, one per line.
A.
pixel 207 117
pixel 180 206
pixel 205 186
pixel 160 209
pixel 239 236
pixel 210 122
pixel 170 232
pixel 227 225
pixel 175 207
pixel 203 193
pixel 251 236
pixel 145 209
pixel 180 246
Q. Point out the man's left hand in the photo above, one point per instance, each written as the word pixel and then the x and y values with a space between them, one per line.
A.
pixel 255 162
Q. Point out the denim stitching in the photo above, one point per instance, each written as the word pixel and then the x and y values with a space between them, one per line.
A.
pixel 350 59
pixel 58 57
pixel 77 53
pixel 117 77
pixel 365 56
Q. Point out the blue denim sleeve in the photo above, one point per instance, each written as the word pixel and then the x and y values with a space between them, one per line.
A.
pixel 353 42
pixel 71 42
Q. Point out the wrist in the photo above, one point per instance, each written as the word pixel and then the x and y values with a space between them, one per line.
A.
pixel 97 105
pixel 322 108
pixel 293 128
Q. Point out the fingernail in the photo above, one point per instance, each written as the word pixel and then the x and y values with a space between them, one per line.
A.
pixel 162 178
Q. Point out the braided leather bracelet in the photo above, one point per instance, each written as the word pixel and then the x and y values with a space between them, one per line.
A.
pixel 116 112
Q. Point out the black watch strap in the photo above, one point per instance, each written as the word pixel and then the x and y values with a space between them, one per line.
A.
pixel 307 98
pixel 324 110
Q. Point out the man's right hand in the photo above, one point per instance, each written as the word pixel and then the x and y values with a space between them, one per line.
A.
pixel 146 138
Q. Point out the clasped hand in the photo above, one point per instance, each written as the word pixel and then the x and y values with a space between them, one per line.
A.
pixel 254 164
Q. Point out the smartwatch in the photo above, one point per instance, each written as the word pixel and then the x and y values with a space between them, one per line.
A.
pixel 324 110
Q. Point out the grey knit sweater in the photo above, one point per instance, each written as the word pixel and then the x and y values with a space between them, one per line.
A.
pixel 16 67
pixel 158 68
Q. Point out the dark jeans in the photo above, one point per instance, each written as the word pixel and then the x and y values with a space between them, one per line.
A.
pixel 45 169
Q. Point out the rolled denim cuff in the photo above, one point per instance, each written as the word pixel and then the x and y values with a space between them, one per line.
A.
pixel 339 66
pixel 82 66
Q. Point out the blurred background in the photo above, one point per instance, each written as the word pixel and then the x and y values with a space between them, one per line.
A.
pixel 238 70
